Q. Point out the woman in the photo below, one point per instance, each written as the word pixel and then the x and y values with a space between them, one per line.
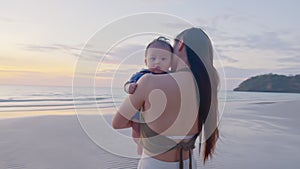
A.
pixel 176 107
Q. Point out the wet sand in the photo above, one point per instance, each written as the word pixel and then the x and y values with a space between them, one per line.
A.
pixel 252 136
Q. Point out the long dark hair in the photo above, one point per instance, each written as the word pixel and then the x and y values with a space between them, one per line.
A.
pixel 200 56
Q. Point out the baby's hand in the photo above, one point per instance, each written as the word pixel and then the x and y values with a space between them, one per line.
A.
pixel 132 88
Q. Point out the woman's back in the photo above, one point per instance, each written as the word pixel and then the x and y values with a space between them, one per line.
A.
pixel 170 110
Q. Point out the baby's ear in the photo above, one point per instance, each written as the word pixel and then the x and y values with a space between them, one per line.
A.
pixel 145 61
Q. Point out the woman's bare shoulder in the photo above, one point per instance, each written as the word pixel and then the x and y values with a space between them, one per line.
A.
pixel 153 81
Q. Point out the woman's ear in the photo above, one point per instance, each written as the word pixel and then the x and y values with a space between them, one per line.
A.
pixel 181 45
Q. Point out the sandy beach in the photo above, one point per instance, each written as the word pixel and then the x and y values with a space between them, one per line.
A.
pixel 253 135
pixel 52 142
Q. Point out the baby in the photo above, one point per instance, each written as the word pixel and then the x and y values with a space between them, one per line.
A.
pixel 158 58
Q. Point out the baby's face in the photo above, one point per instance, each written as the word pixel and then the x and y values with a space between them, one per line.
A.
pixel 158 60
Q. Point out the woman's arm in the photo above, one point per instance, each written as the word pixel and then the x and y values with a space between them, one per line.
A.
pixel 131 105
pixel 120 122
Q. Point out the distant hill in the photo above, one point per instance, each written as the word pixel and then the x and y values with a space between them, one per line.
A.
pixel 271 83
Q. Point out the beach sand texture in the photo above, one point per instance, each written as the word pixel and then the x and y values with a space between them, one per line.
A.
pixel 253 135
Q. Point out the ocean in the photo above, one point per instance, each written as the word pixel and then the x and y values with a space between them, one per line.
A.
pixel 43 98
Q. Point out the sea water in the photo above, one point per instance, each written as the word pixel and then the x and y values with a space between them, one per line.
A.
pixel 39 98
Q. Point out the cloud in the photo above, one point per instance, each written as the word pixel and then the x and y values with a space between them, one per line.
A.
pixel 214 25
pixel 234 76
pixel 289 70
pixel 87 53
pixel 34 78
pixel 228 58
pixel 291 59
pixel 25 73
pixel 41 48
pixel 239 35
pixel 176 27
pixel 221 53
pixel 127 50
pixel 48 48
pixel 5 19
pixel 266 41
pixel 234 72
pixel 5 58
pixel 19 72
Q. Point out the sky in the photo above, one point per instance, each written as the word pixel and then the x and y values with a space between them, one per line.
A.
pixel 42 41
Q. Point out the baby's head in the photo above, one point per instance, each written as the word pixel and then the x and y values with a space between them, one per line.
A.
pixel 158 55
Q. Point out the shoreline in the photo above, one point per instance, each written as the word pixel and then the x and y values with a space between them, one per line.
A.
pixel 38 113
pixel 251 134
pixel 262 91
